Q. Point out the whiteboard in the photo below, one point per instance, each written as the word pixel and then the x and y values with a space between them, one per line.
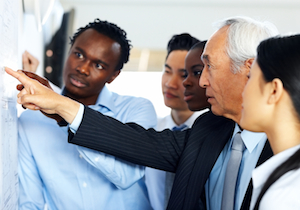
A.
pixel 9 17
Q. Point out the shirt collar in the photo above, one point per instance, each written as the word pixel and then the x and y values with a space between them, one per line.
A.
pixel 169 121
pixel 262 172
pixel 189 122
pixel 250 139
pixel 105 99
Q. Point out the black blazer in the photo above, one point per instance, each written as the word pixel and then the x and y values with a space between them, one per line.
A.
pixel 191 153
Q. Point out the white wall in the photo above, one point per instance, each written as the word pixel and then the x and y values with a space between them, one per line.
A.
pixel 151 23
pixel 142 84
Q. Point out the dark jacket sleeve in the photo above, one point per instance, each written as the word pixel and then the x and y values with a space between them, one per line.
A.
pixel 133 143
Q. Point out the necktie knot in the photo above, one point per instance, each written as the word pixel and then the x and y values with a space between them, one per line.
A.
pixel 179 127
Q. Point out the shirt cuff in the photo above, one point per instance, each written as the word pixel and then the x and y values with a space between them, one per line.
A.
pixel 77 121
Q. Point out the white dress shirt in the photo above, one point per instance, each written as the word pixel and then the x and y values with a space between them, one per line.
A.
pixel 284 194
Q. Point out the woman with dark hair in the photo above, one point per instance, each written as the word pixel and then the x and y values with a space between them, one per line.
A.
pixel 272 105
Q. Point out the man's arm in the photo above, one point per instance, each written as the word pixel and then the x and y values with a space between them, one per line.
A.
pixel 155 149
pixel 130 141
pixel 121 173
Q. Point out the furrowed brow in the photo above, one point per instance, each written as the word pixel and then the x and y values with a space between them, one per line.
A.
pixel 205 57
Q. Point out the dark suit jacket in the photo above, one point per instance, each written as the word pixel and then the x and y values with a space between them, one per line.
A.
pixel 191 153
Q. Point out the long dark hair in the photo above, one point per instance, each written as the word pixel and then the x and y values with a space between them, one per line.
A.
pixel 279 57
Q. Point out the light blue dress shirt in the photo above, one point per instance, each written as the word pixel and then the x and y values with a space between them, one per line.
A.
pixel 70 177
pixel 254 143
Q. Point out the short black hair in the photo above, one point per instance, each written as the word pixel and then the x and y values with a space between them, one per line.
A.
pixel 112 31
pixel 199 45
pixel 182 41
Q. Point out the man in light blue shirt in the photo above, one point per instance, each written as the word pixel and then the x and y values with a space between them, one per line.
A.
pixel 60 175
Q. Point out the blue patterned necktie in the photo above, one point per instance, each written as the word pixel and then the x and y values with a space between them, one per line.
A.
pixel 232 171
pixel 179 128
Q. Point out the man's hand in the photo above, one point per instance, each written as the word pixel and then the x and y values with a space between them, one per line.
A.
pixel 30 63
pixel 29 89
pixel 36 77
pixel 35 96
pixel 45 82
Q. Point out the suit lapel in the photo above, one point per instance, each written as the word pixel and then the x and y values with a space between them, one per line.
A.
pixel 206 141
pixel 206 159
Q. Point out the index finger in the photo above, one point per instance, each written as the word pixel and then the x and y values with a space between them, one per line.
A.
pixel 18 75
pixel 26 81
pixel 38 78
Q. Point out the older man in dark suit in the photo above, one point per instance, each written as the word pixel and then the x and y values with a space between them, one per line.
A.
pixel 199 155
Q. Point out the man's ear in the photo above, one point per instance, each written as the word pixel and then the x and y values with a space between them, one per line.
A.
pixel 247 65
pixel 249 62
pixel 116 73
pixel 275 91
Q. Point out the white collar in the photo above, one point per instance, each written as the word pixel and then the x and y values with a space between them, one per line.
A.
pixel 250 139
pixel 262 172
pixel 169 122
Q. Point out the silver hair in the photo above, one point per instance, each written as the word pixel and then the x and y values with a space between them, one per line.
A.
pixel 244 35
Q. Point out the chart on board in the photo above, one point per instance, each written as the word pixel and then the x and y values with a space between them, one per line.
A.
pixel 9 17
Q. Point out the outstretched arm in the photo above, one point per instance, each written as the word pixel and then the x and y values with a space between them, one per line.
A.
pixel 36 96
pixel 130 141
pixel 121 173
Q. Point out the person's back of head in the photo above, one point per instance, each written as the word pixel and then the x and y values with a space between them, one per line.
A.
pixel 244 35
pixel 112 31
pixel 182 41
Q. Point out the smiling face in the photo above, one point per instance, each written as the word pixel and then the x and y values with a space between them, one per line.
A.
pixel 91 63
pixel 172 78
pixel 223 87
pixel 194 95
